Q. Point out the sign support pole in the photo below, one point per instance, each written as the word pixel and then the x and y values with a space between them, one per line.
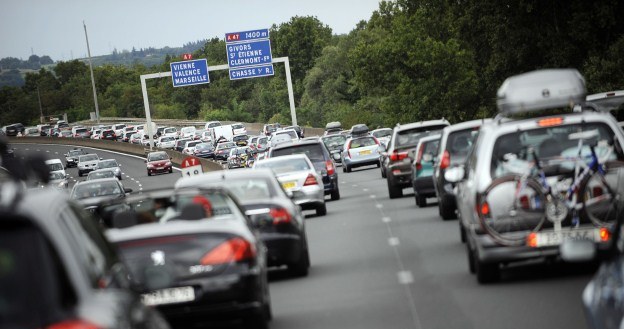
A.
pixel 148 116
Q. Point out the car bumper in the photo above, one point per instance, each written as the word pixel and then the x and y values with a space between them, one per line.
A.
pixel 282 248
pixel 400 174
pixel 373 159
pixel 309 197
pixel 86 169
pixel 330 183
pixel 156 170
pixel 424 186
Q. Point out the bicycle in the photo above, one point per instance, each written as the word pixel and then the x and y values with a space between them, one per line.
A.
pixel 586 196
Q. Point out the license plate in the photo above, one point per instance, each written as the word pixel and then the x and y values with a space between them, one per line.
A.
pixel 169 296
pixel 552 238
pixel 366 152
pixel 289 185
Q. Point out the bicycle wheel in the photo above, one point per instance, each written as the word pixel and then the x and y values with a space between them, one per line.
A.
pixel 598 195
pixel 511 208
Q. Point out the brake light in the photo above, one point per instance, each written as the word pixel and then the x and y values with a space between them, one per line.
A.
pixel 73 324
pixel 418 166
pixel 398 156
pixel 532 240
pixel 485 208
pixel 330 167
pixel 280 216
pixel 605 235
pixel 548 122
pixel 232 250
pixel 446 160
pixel 310 180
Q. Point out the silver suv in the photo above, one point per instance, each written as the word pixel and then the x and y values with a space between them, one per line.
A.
pixel 522 192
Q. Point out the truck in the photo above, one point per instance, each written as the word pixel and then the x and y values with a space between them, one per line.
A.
pixel 222 131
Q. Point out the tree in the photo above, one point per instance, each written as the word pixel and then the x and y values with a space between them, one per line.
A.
pixel 46 60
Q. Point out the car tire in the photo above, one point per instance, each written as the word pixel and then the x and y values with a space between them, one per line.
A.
pixel 378 164
pixel 171 170
pixel 344 168
pixel 321 210
pixel 79 173
pixel 445 211
pixel 348 168
pixel 421 201
pixel 383 173
pixel 302 267
pixel 486 272
pixel 149 174
pixel 471 260
pixel 335 194
pixel 462 233
pixel 394 191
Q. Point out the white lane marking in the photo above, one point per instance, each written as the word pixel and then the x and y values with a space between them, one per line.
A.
pixel 37 150
pixel 393 241
pixel 26 149
pixel 379 206
pixel 55 152
pixel 386 219
pixel 75 180
pixel 47 151
pixel 372 196
pixel 355 185
pixel 343 182
pixel 365 190
pixel 405 277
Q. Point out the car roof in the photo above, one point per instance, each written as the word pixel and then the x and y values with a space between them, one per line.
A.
pixel 49 161
pixel 223 175
pixel 401 127
pixel 466 125
pixel 286 158
pixel 429 138
pixel 296 144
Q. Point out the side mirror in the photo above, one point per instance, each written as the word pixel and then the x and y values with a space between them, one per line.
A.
pixel 127 190
pixel 455 174
pixel 575 251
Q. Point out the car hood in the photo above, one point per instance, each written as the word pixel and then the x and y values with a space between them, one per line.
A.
pixel 158 162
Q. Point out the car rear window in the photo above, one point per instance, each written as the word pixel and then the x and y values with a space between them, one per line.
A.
pixel 157 156
pixel 410 137
pixel 100 174
pixel 555 147
pixel 460 142
pixel 313 151
pixel 362 142
pixel 90 157
pixel 55 166
pixel 285 166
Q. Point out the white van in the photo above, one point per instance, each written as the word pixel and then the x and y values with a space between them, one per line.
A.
pixel 187 132
pixel 56 165
pixel 239 129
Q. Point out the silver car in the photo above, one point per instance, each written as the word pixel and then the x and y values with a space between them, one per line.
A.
pixel 87 163
pixel 506 217
pixel 58 180
pixel 101 173
pixel 112 165
pixel 360 151
pixel 298 178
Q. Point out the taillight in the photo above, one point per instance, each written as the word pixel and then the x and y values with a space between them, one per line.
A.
pixel 330 167
pixel 418 166
pixel 485 208
pixel 232 250
pixel 398 156
pixel 446 160
pixel 280 216
pixel 532 240
pixel 605 235
pixel 310 180
pixel 73 324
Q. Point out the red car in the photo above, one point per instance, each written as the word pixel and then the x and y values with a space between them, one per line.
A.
pixel 158 162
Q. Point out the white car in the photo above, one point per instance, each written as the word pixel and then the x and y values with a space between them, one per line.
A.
pixel 189 147
pixel 145 141
pixel 55 165
pixel 187 132
pixel 119 129
pixel 211 124
pixel 87 163
pixel 206 137
pixel 238 129
pixel 170 132
pixel 96 134
pixel 166 142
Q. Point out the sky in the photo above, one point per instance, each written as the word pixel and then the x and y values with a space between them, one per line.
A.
pixel 54 27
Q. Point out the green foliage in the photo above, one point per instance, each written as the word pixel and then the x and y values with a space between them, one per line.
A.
pixel 165 111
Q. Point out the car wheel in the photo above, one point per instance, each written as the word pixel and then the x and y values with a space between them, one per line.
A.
pixel 321 210
pixel 471 260
pixel 486 272
pixel 445 211
pixel 149 174
pixel 171 170
pixel 259 320
pixel 394 191
pixel 344 168
pixel 301 268
pixel 383 173
pixel 79 173
pixel 335 194
pixel 348 168
pixel 378 164
pixel 462 233
pixel 422 201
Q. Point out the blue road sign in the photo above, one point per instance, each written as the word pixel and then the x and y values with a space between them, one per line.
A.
pixel 247 35
pixel 251 72
pixel 249 53
pixel 189 73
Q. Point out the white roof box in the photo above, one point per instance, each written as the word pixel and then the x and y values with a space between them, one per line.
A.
pixel 608 101
pixel 541 89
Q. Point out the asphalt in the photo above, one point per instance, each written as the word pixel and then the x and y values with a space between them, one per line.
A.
pixel 381 263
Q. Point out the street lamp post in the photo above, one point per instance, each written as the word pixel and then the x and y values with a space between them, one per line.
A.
pixel 97 110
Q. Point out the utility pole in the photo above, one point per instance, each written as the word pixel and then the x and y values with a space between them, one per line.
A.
pixel 40 107
pixel 97 110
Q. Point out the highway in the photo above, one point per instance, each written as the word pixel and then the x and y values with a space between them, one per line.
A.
pixel 381 263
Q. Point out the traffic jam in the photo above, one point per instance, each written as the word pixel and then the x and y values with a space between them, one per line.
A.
pixel 540 181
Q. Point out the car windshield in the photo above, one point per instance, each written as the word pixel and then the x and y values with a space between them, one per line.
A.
pixel 89 157
pixel 334 140
pixel 460 142
pixel 556 148
pixel 240 138
pixel 95 189
pixel 383 133
pixel 203 146
pixel 55 166
pixel 81 130
pixel 192 144
pixel 263 140
pixel 250 189
pixel 291 133
pixel 410 137
pixel 107 164
pixel 284 166
pixel 56 175
pixel 98 174
pixel 167 139
pixel 313 151
pixel 362 142
pixel 226 145
pixel 237 126
pixel 157 156
pixel 169 130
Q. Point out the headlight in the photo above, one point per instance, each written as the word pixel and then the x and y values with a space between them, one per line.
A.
pixel 61 184
pixel 149 165
pixel 168 163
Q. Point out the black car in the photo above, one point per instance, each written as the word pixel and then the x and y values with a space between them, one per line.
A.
pixel 62 278
pixel 91 193
pixel 179 145
pixel 320 158
pixel 193 255
pixel 14 129
pixel 455 145
pixel 298 129
pixel 279 221
pixel 335 144
pixel 71 157
pixel 222 151
pixel 204 150
pixel 109 134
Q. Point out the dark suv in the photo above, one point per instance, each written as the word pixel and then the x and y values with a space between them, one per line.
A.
pixel 320 158
pixel 399 155
pixel 455 145
pixel 14 129
pixel 109 134
pixel 57 269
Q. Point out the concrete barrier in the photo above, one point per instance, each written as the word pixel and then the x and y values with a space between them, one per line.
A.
pixel 127 148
